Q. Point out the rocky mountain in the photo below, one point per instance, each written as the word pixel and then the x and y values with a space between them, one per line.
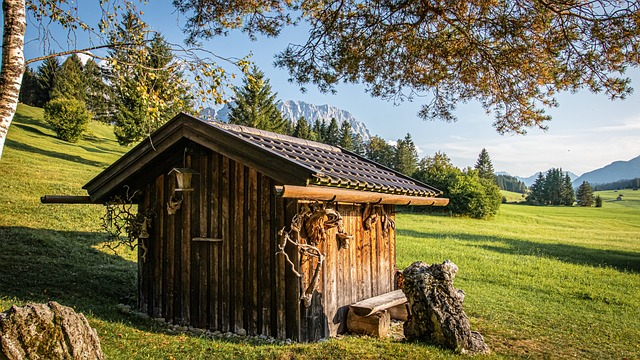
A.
pixel 617 170
pixel 294 110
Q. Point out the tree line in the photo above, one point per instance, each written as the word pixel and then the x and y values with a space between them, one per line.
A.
pixel 618 185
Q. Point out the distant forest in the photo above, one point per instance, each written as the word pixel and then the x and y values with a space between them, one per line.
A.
pixel 510 183
pixel 618 185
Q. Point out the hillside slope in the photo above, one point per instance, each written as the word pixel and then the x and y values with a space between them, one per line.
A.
pixel 617 170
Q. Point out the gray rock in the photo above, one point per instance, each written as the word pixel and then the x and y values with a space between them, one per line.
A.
pixel 242 332
pixel 47 331
pixel 436 309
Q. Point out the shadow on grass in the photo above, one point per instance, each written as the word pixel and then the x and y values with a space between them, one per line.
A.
pixel 39 265
pixel 620 260
pixel 32 129
pixel 28 148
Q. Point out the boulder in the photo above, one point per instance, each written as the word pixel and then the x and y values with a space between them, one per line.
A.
pixel 47 331
pixel 435 307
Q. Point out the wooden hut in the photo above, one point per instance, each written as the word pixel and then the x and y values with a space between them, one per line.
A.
pixel 211 253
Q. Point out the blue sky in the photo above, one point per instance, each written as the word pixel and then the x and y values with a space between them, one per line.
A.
pixel 587 131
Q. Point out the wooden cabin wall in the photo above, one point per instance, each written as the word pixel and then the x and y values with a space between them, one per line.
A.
pixel 364 270
pixel 227 285
pixel 240 282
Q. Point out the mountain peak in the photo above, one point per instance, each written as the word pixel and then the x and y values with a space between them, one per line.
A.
pixel 617 170
pixel 294 110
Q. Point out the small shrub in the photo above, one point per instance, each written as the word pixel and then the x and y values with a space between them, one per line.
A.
pixel 68 117
pixel 598 201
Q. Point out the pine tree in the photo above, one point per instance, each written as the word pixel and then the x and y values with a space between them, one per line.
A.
pixel 584 195
pixel 568 195
pixel 378 150
pixel 317 131
pixel 28 88
pixel 346 138
pixel 598 201
pixel 149 88
pixel 553 187
pixel 406 157
pixel 46 75
pixel 96 91
pixel 358 145
pixel 332 135
pixel 255 105
pixel 484 165
pixel 69 82
pixel 536 191
pixel 302 129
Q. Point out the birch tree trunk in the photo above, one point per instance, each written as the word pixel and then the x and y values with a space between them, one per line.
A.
pixel 15 24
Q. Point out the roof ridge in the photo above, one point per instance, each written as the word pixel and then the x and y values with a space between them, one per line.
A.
pixel 271 135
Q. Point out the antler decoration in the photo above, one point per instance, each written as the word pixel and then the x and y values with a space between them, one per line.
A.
pixel 315 223
pixel 370 216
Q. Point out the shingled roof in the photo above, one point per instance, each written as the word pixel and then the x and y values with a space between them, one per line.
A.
pixel 333 166
pixel 287 159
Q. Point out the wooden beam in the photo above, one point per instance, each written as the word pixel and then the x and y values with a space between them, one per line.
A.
pixel 205 239
pixel 325 193
pixel 66 199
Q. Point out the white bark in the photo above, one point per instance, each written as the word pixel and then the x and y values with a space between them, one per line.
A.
pixel 15 25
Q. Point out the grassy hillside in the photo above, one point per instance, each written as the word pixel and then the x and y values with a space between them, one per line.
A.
pixel 512 197
pixel 540 281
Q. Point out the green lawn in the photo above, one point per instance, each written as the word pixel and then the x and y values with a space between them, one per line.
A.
pixel 540 281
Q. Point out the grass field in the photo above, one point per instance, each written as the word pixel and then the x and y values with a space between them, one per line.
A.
pixel 540 282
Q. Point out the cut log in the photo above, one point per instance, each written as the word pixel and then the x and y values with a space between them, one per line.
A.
pixel 377 324
pixel 399 312
pixel 377 303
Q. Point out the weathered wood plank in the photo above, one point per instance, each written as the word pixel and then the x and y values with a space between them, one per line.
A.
pixel 353 265
pixel 360 244
pixel 251 253
pixel 330 272
pixel 238 239
pixel 381 302
pixel 279 299
pixel 325 193
pixel 185 256
pixel 204 248
pixel 158 236
pixel 214 230
pixel 226 268
pixel 206 239
pixel 265 254
pixel 374 266
pixel 392 248
pixel 292 281
pixel 169 253
pixel 367 258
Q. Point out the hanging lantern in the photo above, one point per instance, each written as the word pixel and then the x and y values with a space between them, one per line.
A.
pixel 183 178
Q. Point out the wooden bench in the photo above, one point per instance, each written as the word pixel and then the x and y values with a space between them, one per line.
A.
pixel 373 316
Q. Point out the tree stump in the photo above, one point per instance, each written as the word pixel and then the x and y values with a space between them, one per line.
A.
pixel 47 331
pixel 435 307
